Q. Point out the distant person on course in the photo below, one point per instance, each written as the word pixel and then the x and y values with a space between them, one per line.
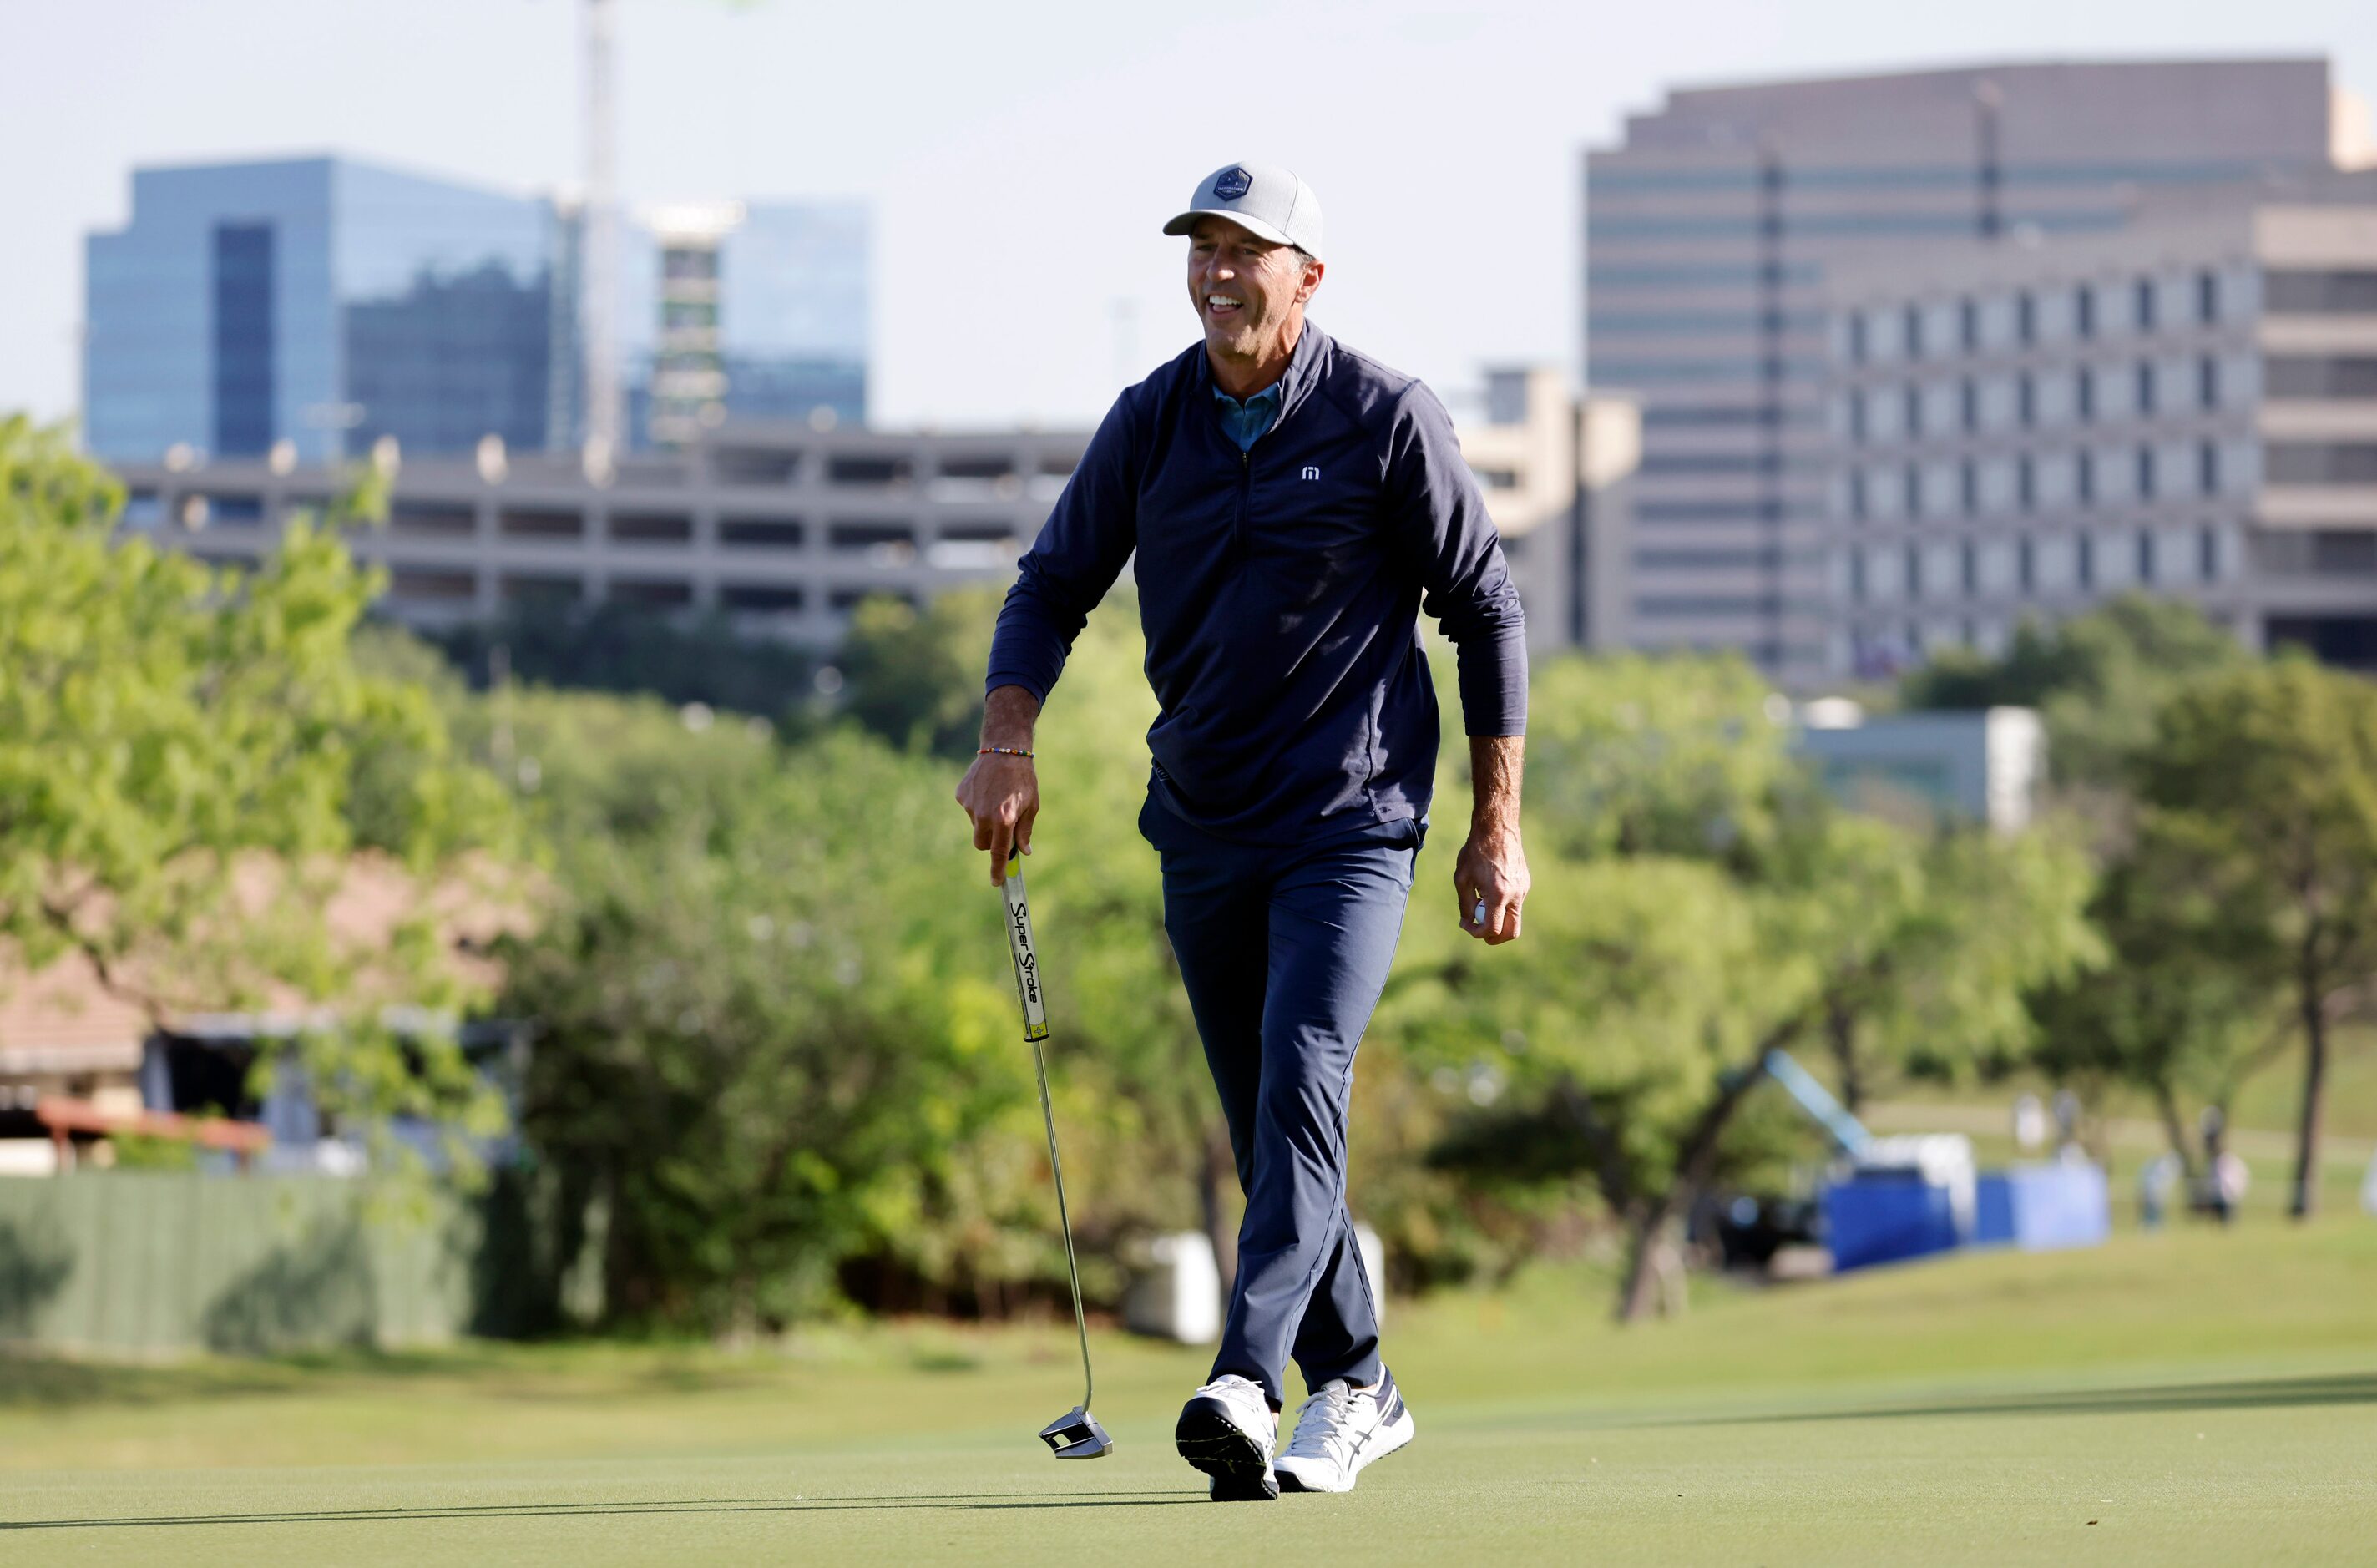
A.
pixel 1292 507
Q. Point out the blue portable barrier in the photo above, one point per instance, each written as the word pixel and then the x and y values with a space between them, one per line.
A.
pixel 1882 1216
pixel 2039 1207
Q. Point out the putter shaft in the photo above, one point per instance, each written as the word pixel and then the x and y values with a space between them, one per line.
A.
pixel 1035 1029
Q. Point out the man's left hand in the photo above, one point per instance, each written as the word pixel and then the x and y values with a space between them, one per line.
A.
pixel 1490 880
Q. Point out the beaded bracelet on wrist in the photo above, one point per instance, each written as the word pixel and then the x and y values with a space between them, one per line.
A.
pixel 1024 752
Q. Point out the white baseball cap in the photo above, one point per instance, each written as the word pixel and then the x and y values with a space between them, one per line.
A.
pixel 1263 197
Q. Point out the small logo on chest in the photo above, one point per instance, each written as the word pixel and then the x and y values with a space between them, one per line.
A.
pixel 1311 471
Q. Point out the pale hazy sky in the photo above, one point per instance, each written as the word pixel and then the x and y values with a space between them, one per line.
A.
pixel 1020 158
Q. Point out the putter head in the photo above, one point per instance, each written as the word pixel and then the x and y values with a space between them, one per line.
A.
pixel 1077 1435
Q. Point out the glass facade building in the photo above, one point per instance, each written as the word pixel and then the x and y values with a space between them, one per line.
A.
pixel 770 298
pixel 321 302
pixel 327 303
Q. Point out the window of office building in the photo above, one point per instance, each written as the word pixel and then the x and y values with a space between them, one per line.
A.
pixel 430 584
pixel 1969 564
pixel 432 520
pixel 2145 555
pixel 2208 382
pixel 1913 569
pixel 2146 461
pixel 1857 576
pixel 234 508
pixel 535 523
pixel 1969 325
pixel 1856 495
pixel 2083 394
pixel 2323 463
pixel 1914 330
pixel 868 535
pixel 2340 290
pixel 2026 564
pixel 2084 311
pixel 2208 468
pixel 2025 483
pixel 760 598
pixel 651 593
pixel 1968 487
pixel 2084 478
pixel 2025 319
pixel 1911 409
pixel 2207 297
pixel 2145 305
pixel 1968 405
pixel 2207 553
pixel 532 587
pixel 2342 375
pixel 243 339
pixel 1856 337
pixel 2025 399
pixel 2087 560
pixel 760 532
pixel 1911 491
pixel 854 469
pixel 2145 387
pixel 651 528
pixel 1856 415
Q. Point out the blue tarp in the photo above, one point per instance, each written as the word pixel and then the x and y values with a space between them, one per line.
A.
pixel 2037 1207
pixel 1882 1217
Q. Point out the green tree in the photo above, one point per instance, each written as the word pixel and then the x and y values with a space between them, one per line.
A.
pixel 2262 783
pixel 189 759
pixel 755 1057
pixel 1698 907
pixel 629 649
pixel 2097 679
pixel 914 677
pixel 2188 1005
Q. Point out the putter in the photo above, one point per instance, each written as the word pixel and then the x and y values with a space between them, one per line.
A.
pixel 1075 1434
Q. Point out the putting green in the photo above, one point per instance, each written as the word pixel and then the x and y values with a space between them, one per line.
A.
pixel 2191 1397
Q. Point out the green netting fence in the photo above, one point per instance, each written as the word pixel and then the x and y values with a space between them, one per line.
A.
pixel 157 1262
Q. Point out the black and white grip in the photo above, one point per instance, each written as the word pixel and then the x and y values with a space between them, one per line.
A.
pixel 1027 959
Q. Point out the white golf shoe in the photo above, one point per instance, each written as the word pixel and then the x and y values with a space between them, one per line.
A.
pixel 1229 1430
pixel 1340 1429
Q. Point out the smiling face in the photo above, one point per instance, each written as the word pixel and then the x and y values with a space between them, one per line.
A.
pixel 1250 296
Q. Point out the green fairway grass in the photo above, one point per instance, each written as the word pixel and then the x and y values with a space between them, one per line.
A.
pixel 2188 1398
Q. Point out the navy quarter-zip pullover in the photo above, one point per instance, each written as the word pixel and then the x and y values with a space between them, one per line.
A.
pixel 1280 587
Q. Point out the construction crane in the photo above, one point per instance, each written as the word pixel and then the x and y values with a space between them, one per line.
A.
pixel 599 281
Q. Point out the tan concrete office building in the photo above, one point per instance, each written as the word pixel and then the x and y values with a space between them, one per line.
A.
pixel 2186 406
pixel 1556 472
pixel 1714 228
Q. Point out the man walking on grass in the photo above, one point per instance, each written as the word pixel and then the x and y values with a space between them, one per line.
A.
pixel 1292 507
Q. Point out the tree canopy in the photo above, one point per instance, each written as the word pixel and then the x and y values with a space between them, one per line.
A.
pixel 190 756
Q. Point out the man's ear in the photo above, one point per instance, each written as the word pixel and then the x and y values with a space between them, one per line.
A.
pixel 1312 274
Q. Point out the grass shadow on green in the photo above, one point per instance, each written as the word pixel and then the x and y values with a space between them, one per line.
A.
pixel 598 1510
pixel 2354 1388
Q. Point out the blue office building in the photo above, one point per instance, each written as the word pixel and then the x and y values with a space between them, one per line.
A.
pixel 792 311
pixel 327 303
pixel 322 302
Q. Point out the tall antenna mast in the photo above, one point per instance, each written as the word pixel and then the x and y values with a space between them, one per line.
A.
pixel 599 280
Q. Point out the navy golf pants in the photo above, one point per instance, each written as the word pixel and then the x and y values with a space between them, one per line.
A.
pixel 1283 953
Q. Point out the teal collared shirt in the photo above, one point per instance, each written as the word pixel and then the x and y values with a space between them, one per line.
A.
pixel 1246 422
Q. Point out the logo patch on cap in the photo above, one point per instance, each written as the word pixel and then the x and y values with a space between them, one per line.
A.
pixel 1232 184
